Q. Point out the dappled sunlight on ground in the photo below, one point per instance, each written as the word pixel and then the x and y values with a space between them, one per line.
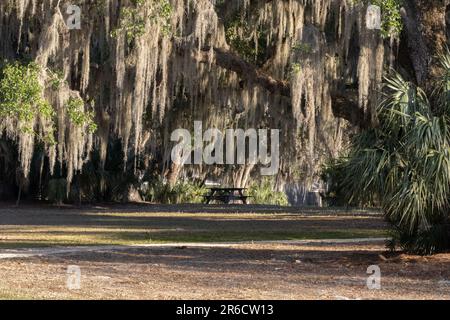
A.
pixel 47 226
pixel 154 261
pixel 269 271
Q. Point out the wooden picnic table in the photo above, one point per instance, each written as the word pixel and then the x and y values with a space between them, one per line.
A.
pixel 226 195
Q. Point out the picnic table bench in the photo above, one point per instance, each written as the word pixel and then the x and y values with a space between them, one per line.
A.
pixel 226 195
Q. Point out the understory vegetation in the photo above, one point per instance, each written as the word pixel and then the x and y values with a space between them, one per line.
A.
pixel 159 191
pixel 403 164
pixel 263 193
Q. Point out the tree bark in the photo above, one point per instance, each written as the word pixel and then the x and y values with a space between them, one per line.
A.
pixel 19 196
pixel 172 174
pixel 426 37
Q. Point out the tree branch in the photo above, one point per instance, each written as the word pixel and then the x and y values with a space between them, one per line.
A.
pixel 345 105
pixel 247 71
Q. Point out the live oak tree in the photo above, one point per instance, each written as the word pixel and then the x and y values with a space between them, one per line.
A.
pixel 146 67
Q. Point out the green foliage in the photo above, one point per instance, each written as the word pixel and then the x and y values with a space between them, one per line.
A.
pixel 109 181
pixel 133 20
pixel 21 95
pixel 302 48
pixel 392 24
pixel 332 174
pixel 425 242
pixel 251 48
pixel 263 193
pixel 405 162
pixel 182 192
pixel 189 192
pixel 56 79
pixel 163 15
pixel 442 91
pixel 21 98
pixel 296 68
pixel 160 192
pixel 79 117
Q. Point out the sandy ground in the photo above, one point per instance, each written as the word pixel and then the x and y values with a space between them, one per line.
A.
pixel 269 270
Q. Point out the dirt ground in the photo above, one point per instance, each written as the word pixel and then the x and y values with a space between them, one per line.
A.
pixel 269 270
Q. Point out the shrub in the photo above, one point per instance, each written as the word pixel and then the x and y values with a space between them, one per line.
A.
pixel 331 174
pixel 424 242
pixel 263 193
pixel 405 162
pixel 336 194
pixel 183 192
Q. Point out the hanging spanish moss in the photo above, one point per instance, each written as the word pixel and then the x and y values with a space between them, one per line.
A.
pixel 136 70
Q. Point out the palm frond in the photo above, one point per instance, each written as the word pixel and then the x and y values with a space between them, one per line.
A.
pixel 405 161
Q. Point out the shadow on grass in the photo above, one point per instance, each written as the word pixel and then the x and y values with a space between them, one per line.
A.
pixel 196 208
pixel 131 219
pixel 44 226
pixel 61 238
pixel 231 236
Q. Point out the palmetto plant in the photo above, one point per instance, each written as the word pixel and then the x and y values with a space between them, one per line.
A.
pixel 405 163
pixel 262 192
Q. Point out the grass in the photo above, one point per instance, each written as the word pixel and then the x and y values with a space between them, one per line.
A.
pixel 75 228
pixel 230 236
pixel 120 237
pixel 10 294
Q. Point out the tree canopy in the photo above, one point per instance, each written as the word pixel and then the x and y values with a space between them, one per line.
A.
pixel 105 97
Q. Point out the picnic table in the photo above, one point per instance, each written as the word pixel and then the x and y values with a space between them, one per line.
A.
pixel 226 195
